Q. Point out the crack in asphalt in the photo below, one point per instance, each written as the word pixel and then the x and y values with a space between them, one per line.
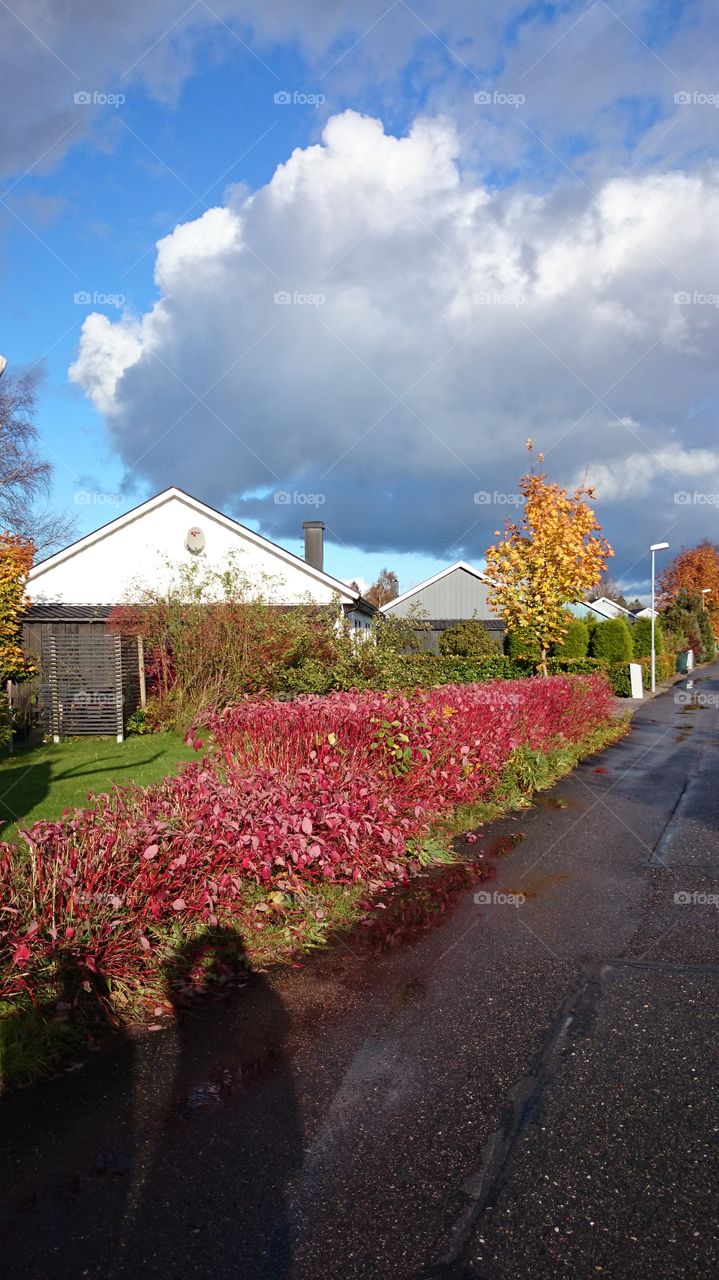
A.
pixel 484 1186
pixel 574 1017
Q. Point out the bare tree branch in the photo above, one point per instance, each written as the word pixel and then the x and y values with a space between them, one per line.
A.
pixel 25 476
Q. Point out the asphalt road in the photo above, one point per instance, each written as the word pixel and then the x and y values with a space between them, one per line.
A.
pixel 507 1078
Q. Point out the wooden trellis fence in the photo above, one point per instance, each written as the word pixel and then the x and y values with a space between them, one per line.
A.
pixel 85 677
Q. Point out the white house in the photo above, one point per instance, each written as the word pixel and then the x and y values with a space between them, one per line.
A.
pixel 145 546
pixel 452 595
pixel 92 678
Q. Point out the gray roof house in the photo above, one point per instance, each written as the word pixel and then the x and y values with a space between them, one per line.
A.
pixel 454 594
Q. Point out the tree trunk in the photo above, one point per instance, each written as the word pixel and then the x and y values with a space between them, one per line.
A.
pixel 543 661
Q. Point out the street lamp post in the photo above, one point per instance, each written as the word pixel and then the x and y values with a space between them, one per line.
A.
pixel 656 546
pixel 705 592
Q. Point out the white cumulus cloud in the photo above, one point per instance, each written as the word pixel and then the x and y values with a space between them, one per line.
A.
pixel 379 326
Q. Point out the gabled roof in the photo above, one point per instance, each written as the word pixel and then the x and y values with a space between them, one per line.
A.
pixel 595 606
pixel 613 603
pixel 202 508
pixel 428 582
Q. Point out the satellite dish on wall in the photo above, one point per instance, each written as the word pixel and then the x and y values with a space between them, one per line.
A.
pixel 195 540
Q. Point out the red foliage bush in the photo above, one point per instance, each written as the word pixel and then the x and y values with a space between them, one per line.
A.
pixel 288 795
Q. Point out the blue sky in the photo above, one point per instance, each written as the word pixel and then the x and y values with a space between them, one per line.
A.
pixel 536 196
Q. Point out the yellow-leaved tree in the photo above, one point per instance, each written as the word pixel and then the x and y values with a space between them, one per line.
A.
pixel 546 559
pixel 16 556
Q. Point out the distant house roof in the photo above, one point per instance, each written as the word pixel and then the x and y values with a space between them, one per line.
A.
pixel 602 607
pixel 611 606
pixel 436 577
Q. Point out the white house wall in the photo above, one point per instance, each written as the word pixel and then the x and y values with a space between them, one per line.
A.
pixel 144 551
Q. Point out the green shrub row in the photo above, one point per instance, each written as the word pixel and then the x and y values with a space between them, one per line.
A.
pixel 427 670
pixel 574 666
pixel 681 626
pixel 374 668
pixel 618 673
pixel 610 646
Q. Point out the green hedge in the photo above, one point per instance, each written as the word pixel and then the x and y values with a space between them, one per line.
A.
pixel 642 637
pixel 377 670
pixel 468 639
pixel 612 641
pixel 575 643
pixel 666 667
pixel 708 651
pixel 427 670
pixel 521 645
pixel 619 679
pixel 618 673
pixel 574 666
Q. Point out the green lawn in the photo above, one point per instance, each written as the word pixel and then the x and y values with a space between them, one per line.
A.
pixel 42 781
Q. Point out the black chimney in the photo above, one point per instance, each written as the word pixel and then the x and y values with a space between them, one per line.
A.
pixel 314 543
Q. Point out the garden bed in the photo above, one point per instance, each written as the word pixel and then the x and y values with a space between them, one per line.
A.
pixel 296 819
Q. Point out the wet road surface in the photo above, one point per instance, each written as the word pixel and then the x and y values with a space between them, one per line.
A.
pixel 508 1077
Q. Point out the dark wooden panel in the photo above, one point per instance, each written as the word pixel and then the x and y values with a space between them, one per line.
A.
pixel 85 678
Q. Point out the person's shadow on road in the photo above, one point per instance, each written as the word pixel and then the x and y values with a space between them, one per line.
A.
pixel 170 1154
pixel 218 1136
